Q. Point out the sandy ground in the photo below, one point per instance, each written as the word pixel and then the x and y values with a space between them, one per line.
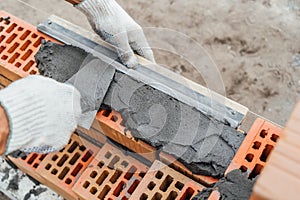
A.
pixel 254 43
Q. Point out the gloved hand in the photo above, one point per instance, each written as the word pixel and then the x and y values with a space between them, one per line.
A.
pixel 42 114
pixel 116 27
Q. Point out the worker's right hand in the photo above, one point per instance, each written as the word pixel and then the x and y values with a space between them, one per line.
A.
pixel 115 26
pixel 42 114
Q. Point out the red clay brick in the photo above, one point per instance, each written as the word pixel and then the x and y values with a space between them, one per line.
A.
pixel 256 148
pixel 19 42
pixel 178 166
pixel 61 170
pixel 111 175
pixel 111 126
pixel 29 164
pixel 162 182
pixel 215 195
pixel 280 178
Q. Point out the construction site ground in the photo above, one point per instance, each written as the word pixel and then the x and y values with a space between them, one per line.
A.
pixel 254 43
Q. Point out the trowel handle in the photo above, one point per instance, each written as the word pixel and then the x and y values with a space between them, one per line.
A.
pixel 74 2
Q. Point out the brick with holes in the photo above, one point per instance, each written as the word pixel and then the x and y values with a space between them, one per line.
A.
pixel 172 162
pixel 162 182
pixel 19 42
pixel 113 174
pixel 280 178
pixel 110 123
pixel 256 148
pixel 61 170
pixel 29 164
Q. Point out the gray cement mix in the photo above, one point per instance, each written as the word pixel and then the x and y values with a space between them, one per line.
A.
pixel 89 75
pixel 234 186
pixel 204 145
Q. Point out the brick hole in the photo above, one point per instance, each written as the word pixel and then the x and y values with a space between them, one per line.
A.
pixel 1 28
pixel 112 163
pixel 34 35
pixel 114 118
pixel 142 174
pixel 54 171
pixel 1 19
pixel 93 174
pixel 166 183
pixel 26 55
pixel 26 68
pixel 263 133
pixel 256 171
pixel 256 145
pixel 104 192
pixel 4 57
pixel 130 172
pixel 7 21
pixel 151 185
pixel 38 42
pixel 106 113
pixel 64 173
pixel 157 196
pixel 86 184
pixel 266 152
pixel 73 147
pixel 48 166
pixel 62 160
pixel 100 164
pixel 179 185
pixel 102 177
pixel 42 157
pixel 173 195
pixel 144 197
pixel 24 157
pixel 82 148
pixel 62 150
pixel 133 186
pixel 125 164
pixel 74 158
pixel 11 38
pixel 13 58
pixel 87 156
pixel 119 189
pixel 93 190
pixel 159 174
pixel 108 155
pixel 20 28
pixel 11 28
pixel 25 34
pixel 2 37
pixel 1 49
pixel 124 198
pixel 25 45
pixel 249 157
pixel 68 181
pixel 35 165
pixel 32 72
pixel 77 169
pixel 18 64
pixel 54 158
pixel 188 194
pixel 274 137
pixel 13 48
pixel 116 176
pixel 32 158
pixel 243 168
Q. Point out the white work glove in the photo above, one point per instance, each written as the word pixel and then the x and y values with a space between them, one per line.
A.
pixel 116 27
pixel 42 114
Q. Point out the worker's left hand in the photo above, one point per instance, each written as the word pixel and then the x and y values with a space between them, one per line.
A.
pixel 115 26
pixel 42 114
